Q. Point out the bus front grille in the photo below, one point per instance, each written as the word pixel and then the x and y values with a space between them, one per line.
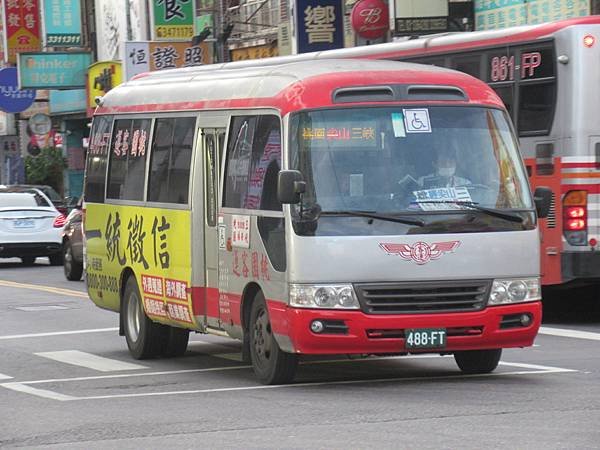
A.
pixel 423 297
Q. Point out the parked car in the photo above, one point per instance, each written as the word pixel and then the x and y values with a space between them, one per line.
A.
pixel 30 226
pixel 72 243
pixel 59 203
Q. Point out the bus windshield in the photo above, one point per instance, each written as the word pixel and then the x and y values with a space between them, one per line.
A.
pixel 408 159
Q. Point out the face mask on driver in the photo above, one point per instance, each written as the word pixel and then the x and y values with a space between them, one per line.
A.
pixel 446 171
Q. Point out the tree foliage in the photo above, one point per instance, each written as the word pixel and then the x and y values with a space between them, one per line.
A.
pixel 46 168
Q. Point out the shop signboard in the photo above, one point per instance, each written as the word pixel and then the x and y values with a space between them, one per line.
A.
pixel 21 27
pixel 172 19
pixel 319 25
pixel 146 56
pixel 56 70
pixel 13 99
pixel 493 15
pixel 66 102
pixel 256 52
pixel 62 23
pixel 101 78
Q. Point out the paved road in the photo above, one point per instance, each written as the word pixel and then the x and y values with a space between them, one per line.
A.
pixel 67 381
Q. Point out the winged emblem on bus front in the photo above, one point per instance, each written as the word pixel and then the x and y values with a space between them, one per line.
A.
pixel 420 252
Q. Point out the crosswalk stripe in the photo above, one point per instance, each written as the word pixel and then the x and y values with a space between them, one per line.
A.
pixel 90 361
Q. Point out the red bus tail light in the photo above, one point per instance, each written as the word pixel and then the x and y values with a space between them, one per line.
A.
pixel 575 217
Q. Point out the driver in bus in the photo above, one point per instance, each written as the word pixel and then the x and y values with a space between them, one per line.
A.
pixel 445 170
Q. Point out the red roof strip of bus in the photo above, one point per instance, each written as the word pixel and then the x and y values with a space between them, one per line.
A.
pixel 315 92
pixel 581 165
pixel 536 32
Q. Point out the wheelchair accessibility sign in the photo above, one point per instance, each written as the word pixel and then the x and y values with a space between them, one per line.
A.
pixel 417 121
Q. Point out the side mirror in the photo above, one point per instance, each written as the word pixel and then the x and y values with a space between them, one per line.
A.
pixel 290 185
pixel 542 198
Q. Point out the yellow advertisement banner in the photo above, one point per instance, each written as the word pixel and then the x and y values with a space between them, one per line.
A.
pixel 155 243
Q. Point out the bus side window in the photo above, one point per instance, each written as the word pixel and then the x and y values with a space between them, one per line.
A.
pixel 97 155
pixel 127 162
pixel 170 161
pixel 237 164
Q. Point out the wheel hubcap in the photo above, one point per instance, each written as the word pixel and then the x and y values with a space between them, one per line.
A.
pixel 263 337
pixel 134 311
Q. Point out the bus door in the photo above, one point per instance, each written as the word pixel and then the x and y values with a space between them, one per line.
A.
pixel 212 149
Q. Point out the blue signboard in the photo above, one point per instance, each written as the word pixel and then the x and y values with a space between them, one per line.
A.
pixel 71 101
pixel 319 25
pixel 57 70
pixel 62 21
pixel 13 100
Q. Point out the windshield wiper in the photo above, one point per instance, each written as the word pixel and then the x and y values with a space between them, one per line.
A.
pixel 475 206
pixel 375 215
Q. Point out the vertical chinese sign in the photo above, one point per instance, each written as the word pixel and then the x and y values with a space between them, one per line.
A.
pixel 21 27
pixel 172 19
pixel 143 57
pixel 62 20
pixel 319 25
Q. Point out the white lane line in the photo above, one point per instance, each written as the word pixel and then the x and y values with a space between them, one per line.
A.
pixel 23 386
pixel 20 387
pixel 57 333
pixel 537 367
pixel 90 361
pixel 563 332
pixel 129 375
pixel 4 377
pixel 323 383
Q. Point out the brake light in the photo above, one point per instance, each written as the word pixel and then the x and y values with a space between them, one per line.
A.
pixel 575 217
pixel 59 221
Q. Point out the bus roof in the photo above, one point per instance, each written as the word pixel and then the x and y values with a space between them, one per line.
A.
pixel 287 87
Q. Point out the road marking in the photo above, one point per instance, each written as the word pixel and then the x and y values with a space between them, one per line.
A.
pixel 41 308
pixel 19 387
pixel 57 333
pixel 4 377
pixel 90 361
pixel 37 287
pixel 563 332
pixel 23 386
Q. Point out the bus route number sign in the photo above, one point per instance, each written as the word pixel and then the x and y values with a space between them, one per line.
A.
pixel 502 68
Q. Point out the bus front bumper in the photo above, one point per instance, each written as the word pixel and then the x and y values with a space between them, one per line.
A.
pixel 354 332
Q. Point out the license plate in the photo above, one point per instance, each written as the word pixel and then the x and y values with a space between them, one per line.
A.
pixel 23 223
pixel 423 338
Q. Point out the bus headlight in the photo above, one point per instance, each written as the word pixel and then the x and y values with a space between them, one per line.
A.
pixel 326 296
pixel 515 290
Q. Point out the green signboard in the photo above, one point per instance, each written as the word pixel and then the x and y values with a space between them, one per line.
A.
pixel 173 19
pixel 57 70
pixel 62 21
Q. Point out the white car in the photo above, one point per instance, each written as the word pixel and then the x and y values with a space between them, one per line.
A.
pixel 30 226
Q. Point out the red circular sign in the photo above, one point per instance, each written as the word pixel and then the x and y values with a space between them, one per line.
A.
pixel 370 18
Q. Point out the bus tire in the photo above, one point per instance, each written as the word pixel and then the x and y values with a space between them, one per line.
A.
pixel 270 364
pixel 478 361
pixel 175 341
pixel 144 337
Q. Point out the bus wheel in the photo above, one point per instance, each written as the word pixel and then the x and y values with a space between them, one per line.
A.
pixel 478 361
pixel 143 336
pixel 271 365
pixel 175 341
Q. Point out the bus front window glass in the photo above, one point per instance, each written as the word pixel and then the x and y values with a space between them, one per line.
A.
pixel 506 95
pixel 408 160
